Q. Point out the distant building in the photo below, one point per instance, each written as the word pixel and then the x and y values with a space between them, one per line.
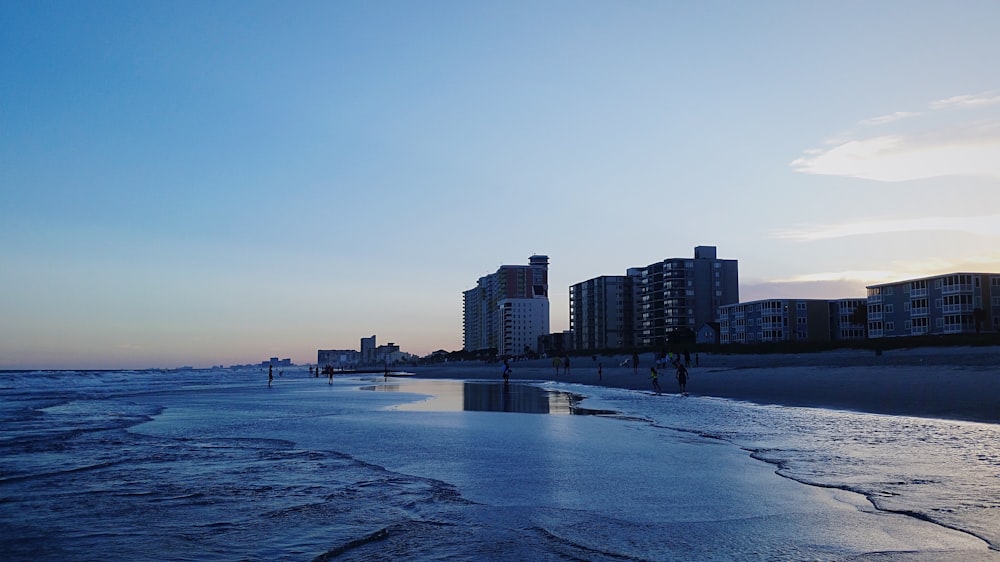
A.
pixel 368 351
pixel 275 362
pixel 775 320
pixel 508 310
pixel 556 344
pixel 338 358
pixel 952 303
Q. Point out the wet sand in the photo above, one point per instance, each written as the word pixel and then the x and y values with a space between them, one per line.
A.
pixel 952 383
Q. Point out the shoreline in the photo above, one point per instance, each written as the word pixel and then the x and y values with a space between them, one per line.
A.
pixel 949 383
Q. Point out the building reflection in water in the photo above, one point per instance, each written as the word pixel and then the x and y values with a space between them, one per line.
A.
pixel 485 396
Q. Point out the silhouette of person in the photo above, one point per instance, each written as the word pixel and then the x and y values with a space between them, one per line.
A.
pixel 635 363
pixel 329 370
pixel 682 378
pixel 655 376
pixel 687 358
pixel 270 375
pixel 506 371
pixel 556 362
pixel 566 364
pixel 599 371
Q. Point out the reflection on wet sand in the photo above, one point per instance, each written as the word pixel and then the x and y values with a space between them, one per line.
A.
pixel 485 396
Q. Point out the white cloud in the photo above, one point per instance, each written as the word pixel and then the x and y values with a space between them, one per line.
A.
pixel 983 225
pixel 972 100
pixel 959 136
pixel 884 119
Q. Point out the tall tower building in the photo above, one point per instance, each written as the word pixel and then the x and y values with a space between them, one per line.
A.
pixel 601 312
pixel 677 295
pixel 508 310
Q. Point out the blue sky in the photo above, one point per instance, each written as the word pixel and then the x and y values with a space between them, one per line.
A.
pixel 221 182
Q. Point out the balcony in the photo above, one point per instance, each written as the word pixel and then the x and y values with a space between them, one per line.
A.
pixel 956 288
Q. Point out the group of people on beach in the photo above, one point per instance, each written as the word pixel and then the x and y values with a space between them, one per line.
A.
pixel 681 373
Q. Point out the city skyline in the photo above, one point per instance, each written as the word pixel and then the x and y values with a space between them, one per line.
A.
pixel 204 184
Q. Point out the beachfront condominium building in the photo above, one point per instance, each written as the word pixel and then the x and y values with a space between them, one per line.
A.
pixel 785 320
pixel 508 310
pixel 952 303
pixel 847 319
pixel 675 296
pixel 601 312
pixel 649 305
pixel 775 320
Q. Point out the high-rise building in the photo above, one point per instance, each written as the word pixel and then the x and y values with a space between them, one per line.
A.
pixel 508 310
pixel 952 303
pixel 601 312
pixel 674 297
pixel 649 305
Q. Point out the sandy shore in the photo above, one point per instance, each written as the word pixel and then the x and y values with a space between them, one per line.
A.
pixel 954 383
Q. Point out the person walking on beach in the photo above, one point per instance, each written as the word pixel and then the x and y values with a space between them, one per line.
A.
pixel 506 371
pixel 682 378
pixel 635 363
pixel 655 376
pixel 566 364
pixel 329 369
pixel 687 358
pixel 270 375
pixel 556 362
pixel 599 371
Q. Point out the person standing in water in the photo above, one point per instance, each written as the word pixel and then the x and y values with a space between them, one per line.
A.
pixel 682 378
pixel 270 375
pixel 506 371
pixel 655 376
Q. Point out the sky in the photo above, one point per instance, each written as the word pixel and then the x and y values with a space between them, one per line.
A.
pixel 216 183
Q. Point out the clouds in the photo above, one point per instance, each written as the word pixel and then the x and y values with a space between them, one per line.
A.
pixel 988 225
pixel 957 136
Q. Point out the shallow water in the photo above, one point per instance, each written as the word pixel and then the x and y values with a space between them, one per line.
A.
pixel 213 465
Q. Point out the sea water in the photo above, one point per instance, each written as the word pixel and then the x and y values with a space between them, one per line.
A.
pixel 215 465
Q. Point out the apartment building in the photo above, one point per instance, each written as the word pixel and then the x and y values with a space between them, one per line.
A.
pixel 775 320
pixel 648 305
pixel 508 310
pixel 601 312
pixel 845 322
pixel 952 303
pixel 678 295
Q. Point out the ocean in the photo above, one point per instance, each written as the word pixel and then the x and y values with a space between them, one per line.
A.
pixel 214 465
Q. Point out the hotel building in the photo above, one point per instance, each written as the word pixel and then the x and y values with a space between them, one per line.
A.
pixel 508 310
pixel 953 303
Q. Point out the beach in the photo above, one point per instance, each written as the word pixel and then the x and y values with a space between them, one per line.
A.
pixel 454 464
pixel 960 383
